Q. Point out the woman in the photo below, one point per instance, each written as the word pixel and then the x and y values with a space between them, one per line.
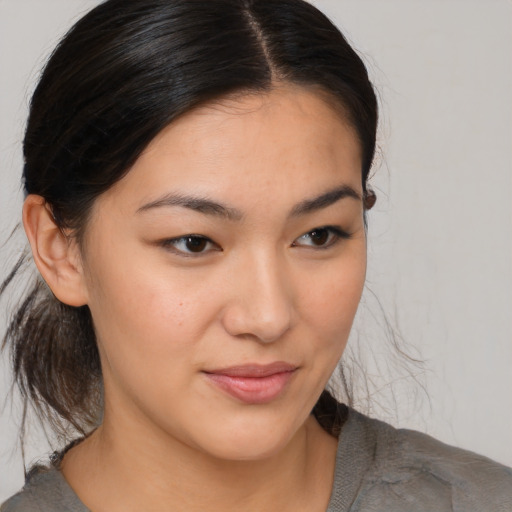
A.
pixel 196 178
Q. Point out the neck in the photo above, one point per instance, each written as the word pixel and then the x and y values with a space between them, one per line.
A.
pixel 160 471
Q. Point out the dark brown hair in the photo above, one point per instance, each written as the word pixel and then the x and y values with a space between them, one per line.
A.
pixel 121 74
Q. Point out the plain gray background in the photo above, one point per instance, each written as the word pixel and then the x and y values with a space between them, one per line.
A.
pixel 441 233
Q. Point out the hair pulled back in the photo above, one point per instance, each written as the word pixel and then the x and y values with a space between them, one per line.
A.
pixel 120 75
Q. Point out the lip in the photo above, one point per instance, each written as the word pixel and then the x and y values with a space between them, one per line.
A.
pixel 253 383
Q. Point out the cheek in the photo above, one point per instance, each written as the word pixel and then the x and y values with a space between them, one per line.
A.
pixel 330 303
pixel 331 297
pixel 136 306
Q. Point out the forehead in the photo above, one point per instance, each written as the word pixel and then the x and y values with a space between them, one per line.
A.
pixel 287 142
pixel 287 114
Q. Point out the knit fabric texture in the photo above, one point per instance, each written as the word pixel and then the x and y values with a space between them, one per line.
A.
pixel 378 469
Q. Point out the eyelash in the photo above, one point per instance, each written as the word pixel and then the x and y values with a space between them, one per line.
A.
pixel 171 244
pixel 334 234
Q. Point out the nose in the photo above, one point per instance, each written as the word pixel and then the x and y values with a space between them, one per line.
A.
pixel 262 302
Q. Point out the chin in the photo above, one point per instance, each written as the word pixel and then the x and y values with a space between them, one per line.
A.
pixel 249 439
pixel 248 448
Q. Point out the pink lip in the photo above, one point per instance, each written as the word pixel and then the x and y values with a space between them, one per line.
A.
pixel 253 383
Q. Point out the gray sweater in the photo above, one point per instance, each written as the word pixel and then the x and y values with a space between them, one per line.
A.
pixel 378 469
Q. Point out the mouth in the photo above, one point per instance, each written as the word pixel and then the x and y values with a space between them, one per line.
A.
pixel 253 383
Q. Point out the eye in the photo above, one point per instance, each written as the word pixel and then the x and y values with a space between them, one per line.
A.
pixel 321 238
pixel 190 245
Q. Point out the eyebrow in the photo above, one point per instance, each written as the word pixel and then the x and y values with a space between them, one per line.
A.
pixel 198 204
pixel 324 200
pixel 209 207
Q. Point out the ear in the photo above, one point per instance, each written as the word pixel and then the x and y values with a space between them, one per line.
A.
pixel 56 255
pixel 370 199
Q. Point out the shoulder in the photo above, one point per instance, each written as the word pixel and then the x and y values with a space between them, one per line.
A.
pixel 416 470
pixel 45 490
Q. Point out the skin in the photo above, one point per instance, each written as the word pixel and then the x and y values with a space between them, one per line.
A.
pixel 264 289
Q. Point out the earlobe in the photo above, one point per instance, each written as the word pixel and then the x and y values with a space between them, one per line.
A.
pixel 56 256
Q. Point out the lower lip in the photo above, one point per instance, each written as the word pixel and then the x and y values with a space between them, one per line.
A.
pixel 252 390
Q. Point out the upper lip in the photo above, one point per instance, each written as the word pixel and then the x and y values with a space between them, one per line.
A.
pixel 255 370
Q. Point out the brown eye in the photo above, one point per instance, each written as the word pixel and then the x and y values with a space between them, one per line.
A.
pixel 195 244
pixel 319 236
pixel 190 245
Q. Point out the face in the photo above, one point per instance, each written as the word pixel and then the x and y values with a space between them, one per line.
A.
pixel 224 270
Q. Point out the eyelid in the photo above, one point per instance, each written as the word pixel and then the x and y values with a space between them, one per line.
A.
pixel 337 234
pixel 170 245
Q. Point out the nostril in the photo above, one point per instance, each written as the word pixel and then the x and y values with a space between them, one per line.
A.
pixel 262 300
